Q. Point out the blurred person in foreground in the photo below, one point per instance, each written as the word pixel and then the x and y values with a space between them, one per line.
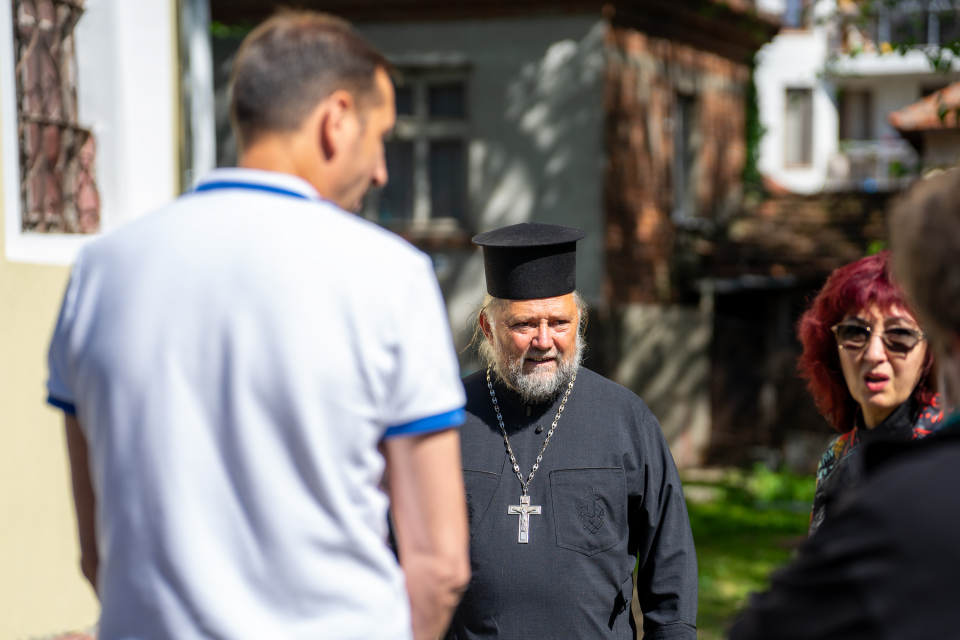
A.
pixel 884 562
pixel 869 369
pixel 239 368
pixel 569 479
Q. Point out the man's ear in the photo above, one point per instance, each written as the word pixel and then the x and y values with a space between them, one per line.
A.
pixel 335 122
pixel 485 326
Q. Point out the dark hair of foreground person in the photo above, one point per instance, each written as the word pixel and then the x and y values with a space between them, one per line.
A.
pixel 293 61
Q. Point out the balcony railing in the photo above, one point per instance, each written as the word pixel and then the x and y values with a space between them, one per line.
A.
pixel 872 166
pixel 913 23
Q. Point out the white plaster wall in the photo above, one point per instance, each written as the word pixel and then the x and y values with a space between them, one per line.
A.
pixel 772 7
pixel 535 104
pixel 893 92
pixel 127 92
pixel 197 62
pixel 126 64
pixel 666 361
pixel 795 60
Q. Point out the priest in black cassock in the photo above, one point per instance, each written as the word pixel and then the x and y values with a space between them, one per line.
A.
pixel 569 481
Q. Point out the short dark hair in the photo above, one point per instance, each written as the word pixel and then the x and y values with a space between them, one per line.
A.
pixel 292 62
pixel 925 239
pixel 849 289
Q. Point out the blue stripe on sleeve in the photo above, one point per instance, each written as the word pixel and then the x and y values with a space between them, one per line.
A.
pixel 68 407
pixel 425 425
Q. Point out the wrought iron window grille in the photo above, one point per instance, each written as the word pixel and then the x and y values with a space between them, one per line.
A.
pixel 58 190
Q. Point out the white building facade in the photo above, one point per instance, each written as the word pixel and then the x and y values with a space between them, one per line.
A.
pixel 826 85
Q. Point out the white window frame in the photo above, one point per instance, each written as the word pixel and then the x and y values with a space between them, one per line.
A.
pixel 45 248
pixel 127 92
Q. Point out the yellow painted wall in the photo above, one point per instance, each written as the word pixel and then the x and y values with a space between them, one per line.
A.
pixel 42 591
pixel 41 588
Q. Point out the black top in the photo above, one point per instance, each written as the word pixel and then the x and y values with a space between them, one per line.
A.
pixel 608 491
pixel 841 466
pixel 883 563
pixel 530 260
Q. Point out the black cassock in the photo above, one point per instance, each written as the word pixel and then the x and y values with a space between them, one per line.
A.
pixel 608 493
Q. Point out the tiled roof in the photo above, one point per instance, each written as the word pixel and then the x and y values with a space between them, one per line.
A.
pixel 803 237
pixel 936 111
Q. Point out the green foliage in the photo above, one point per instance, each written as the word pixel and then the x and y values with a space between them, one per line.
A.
pixel 749 528
pixel 755 131
pixel 898 169
pixel 943 111
pixel 941 57
pixel 875 247
pixel 234 31
pixel 768 486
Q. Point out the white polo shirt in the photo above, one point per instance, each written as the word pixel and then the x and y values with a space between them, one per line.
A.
pixel 234 360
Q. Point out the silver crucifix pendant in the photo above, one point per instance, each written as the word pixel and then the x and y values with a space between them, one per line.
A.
pixel 524 510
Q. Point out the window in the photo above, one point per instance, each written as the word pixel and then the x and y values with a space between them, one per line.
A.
pixel 798 129
pixel 447 179
pixel 684 187
pixel 426 155
pixel 796 14
pixel 908 23
pixel 856 115
pixel 942 23
pixel 914 23
pixel 58 193
pixel 396 200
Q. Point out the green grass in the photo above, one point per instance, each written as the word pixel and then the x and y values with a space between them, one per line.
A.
pixel 745 525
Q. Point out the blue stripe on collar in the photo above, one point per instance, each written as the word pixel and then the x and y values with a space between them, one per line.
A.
pixel 214 186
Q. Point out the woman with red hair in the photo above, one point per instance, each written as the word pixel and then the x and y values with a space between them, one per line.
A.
pixel 868 367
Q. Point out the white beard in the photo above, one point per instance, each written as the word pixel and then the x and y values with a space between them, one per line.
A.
pixel 537 387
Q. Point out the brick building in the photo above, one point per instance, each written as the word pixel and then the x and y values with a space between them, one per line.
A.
pixel 623 118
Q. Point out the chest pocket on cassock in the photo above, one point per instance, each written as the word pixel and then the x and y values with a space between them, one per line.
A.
pixel 480 487
pixel 589 508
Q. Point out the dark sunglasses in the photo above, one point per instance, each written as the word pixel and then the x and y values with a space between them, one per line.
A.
pixel 856 336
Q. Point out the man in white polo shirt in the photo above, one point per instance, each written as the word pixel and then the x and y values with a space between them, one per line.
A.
pixel 241 370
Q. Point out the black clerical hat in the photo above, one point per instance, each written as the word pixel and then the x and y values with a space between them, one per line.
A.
pixel 530 260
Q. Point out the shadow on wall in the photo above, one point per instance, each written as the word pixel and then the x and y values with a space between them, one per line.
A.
pixel 552 118
pixel 662 353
